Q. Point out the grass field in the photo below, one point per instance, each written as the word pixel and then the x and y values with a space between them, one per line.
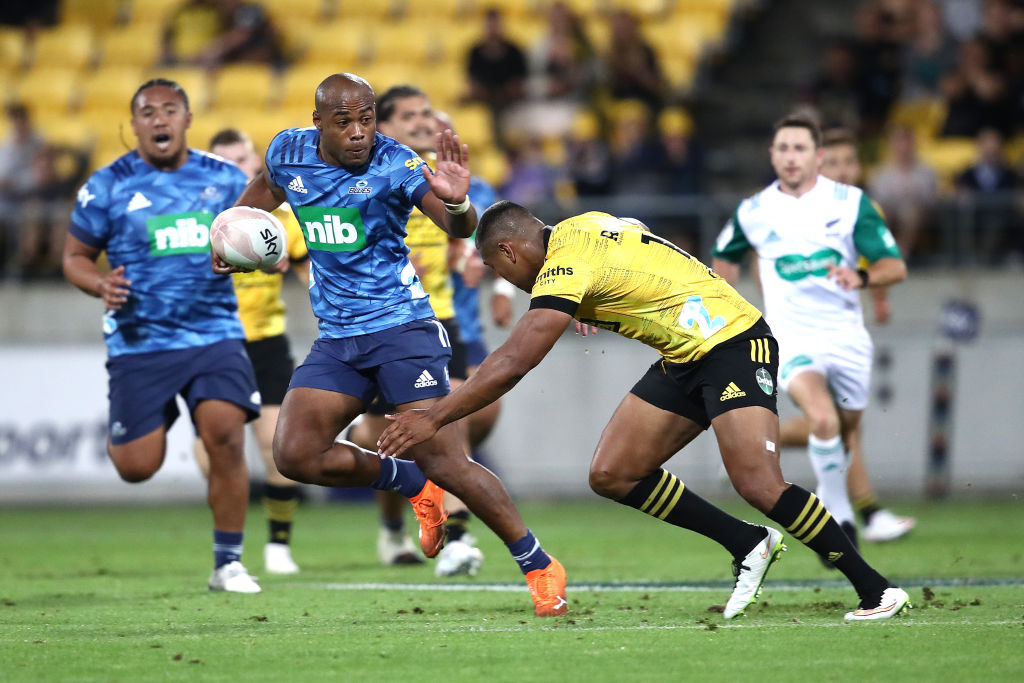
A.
pixel 119 594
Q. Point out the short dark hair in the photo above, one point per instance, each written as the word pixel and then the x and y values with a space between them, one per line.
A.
pixel 834 137
pixel 17 110
pixel 387 103
pixel 497 220
pixel 154 82
pixel 799 120
pixel 229 136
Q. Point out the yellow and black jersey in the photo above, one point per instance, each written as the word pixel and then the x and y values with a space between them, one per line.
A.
pixel 260 305
pixel 615 275
pixel 428 250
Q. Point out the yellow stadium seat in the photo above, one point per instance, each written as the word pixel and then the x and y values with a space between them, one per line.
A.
pixel 526 31
pixel 434 10
pixel 193 81
pixel 44 90
pixel 72 131
pixel 110 88
pixel 948 156
pixel 444 83
pixel 644 9
pixel 473 125
pixel 149 11
pixel 374 10
pixel 100 14
pixel 406 41
pixel 66 47
pixel 339 45
pixel 136 45
pixel 12 49
pixel 679 71
pixel 299 84
pixel 261 126
pixel 194 29
pixel 111 129
pixel 236 85
pixel 284 10
pixel 490 164
pixel 680 37
pixel 924 116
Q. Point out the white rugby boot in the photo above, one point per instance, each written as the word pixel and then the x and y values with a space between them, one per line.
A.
pixel 277 559
pixel 885 526
pixel 233 578
pixel 459 557
pixel 750 572
pixel 893 601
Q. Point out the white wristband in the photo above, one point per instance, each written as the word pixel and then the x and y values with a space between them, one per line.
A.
pixel 458 209
pixel 504 287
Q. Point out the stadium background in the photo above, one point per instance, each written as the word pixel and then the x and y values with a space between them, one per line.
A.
pixel 729 67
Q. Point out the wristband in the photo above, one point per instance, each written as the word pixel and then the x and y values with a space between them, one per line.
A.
pixel 863 277
pixel 458 209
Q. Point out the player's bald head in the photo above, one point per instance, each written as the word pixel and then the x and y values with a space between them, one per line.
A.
pixel 505 220
pixel 339 88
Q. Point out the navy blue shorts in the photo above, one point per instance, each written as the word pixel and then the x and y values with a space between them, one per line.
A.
pixel 405 363
pixel 476 351
pixel 143 385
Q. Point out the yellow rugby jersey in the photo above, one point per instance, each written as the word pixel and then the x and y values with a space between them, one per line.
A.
pixel 428 249
pixel 260 305
pixel 615 275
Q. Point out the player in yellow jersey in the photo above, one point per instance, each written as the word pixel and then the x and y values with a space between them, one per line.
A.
pixel 841 163
pixel 718 368
pixel 405 114
pixel 262 311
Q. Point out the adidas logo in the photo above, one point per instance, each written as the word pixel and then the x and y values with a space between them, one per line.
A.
pixel 138 201
pixel 772 237
pixel 732 391
pixel 832 557
pixel 297 186
pixel 425 380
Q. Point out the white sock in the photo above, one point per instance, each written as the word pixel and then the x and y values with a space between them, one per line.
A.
pixel 828 458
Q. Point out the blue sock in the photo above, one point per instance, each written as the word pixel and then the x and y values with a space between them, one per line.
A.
pixel 528 554
pixel 227 547
pixel 403 476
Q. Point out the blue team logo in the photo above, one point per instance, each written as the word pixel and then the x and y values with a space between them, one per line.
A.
pixel 362 187
pixel 332 228
pixel 211 192
pixel 695 314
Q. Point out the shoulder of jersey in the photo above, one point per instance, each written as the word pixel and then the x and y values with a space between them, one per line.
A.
pixel 121 168
pixel 213 162
pixel 284 137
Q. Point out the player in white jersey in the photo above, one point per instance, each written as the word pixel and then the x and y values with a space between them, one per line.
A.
pixel 808 233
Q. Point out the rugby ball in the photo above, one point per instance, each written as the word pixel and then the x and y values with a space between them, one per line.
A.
pixel 249 238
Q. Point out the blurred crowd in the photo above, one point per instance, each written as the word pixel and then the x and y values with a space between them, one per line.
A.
pixel 593 108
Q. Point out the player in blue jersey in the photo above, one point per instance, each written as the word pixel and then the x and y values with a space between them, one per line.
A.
pixel 171 326
pixel 353 191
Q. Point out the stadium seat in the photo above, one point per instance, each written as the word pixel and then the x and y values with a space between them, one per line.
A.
pixel 98 14
pixel 490 164
pixel 679 71
pixel 149 11
pixel 193 29
pixel 12 49
pixel 110 88
pixel 65 47
pixel 433 10
pixel 47 89
pixel 376 11
pixel 473 124
pixel 924 116
pixel 73 131
pixel 298 85
pixel 644 9
pixel 243 85
pixel 193 80
pixel 136 45
pixel 339 45
pixel 406 41
pixel 284 10
pixel 948 156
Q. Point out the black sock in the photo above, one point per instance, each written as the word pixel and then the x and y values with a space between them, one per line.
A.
pixel 664 496
pixel 803 515
pixel 866 508
pixel 280 502
pixel 457 524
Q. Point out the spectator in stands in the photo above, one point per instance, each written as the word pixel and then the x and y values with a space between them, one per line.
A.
pixel 18 179
pixel 682 166
pixel 529 179
pixel 636 152
pixel 588 159
pixel 244 32
pixel 496 67
pixel 930 53
pixel 563 61
pixel 835 91
pixel 906 188
pixel 976 94
pixel 884 27
pixel 990 183
pixel 632 64
pixel 28 13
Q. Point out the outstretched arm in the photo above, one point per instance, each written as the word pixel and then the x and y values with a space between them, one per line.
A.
pixel 531 339
pixel 447 203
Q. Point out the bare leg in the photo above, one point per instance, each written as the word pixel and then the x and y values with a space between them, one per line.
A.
pixel 221 426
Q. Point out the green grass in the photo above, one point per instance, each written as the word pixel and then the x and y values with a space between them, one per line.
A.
pixel 118 594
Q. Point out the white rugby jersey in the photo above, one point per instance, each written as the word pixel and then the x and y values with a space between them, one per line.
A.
pixel 796 238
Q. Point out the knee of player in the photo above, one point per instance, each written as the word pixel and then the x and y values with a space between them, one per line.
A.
pixel 135 473
pixel 824 424
pixel 606 482
pixel 756 491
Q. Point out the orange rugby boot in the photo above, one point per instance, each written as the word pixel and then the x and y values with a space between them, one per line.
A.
pixel 429 508
pixel 547 588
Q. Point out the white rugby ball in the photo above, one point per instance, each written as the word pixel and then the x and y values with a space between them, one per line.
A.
pixel 249 238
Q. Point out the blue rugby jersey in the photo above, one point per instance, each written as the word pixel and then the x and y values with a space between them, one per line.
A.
pixel 467 299
pixel 361 279
pixel 157 225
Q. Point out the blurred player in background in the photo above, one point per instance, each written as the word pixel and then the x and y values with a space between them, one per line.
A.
pixel 405 114
pixel 841 164
pixel 717 368
pixel 262 311
pixel 353 190
pixel 171 325
pixel 808 232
